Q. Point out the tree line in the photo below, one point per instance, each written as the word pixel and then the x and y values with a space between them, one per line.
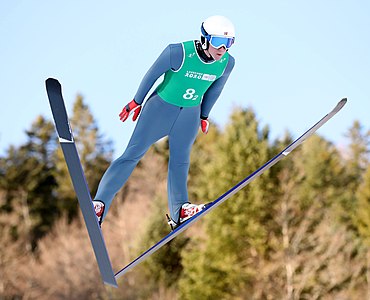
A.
pixel 300 231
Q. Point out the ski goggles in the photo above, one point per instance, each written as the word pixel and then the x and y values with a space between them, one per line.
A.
pixel 220 41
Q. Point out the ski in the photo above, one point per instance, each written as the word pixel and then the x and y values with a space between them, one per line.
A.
pixel 233 190
pixel 54 91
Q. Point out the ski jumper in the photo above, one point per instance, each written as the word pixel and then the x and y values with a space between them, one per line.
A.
pixel 189 90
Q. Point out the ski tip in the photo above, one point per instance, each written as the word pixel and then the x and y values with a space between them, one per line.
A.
pixel 52 81
pixel 340 104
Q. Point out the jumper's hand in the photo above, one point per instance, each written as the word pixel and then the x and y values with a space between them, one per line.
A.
pixel 204 125
pixel 130 108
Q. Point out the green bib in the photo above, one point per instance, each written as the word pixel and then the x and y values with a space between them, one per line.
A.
pixel 186 86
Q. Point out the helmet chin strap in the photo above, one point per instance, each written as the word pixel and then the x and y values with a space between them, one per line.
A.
pixel 202 48
pixel 205 43
pixel 205 47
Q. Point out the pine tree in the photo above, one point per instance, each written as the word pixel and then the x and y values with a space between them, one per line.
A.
pixel 314 242
pixel 357 161
pixel 94 150
pixel 202 154
pixel 358 152
pixel 362 220
pixel 363 208
pixel 224 265
pixel 95 154
pixel 323 173
pixel 163 268
pixel 28 183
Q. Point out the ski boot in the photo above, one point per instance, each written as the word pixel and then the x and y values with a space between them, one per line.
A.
pixel 99 208
pixel 187 211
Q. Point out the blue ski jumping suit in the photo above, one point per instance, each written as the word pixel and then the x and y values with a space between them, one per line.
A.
pixel 159 119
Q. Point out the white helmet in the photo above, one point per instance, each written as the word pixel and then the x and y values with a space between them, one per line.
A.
pixel 221 27
pixel 218 25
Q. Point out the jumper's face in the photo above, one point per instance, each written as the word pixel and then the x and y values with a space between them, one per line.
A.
pixel 216 53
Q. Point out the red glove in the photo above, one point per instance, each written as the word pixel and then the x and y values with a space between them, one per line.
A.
pixel 204 125
pixel 130 108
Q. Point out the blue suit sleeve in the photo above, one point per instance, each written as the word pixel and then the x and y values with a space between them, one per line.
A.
pixel 214 91
pixel 170 58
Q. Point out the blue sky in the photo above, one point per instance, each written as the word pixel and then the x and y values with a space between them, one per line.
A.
pixel 294 60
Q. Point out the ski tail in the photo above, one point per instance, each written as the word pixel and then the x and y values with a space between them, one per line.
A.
pixel 54 91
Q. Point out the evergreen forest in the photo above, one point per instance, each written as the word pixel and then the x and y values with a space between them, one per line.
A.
pixel 299 231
